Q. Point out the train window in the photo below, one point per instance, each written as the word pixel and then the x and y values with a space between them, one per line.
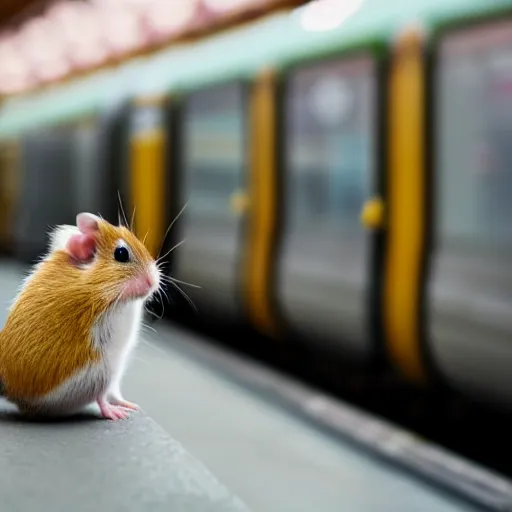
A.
pixel 474 133
pixel 214 149
pixel 87 179
pixel 330 121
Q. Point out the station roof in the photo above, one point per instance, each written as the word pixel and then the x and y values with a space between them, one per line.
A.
pixel 279 41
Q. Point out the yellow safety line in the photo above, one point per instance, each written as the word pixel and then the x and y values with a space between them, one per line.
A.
pixel 406 202
pixel 262 204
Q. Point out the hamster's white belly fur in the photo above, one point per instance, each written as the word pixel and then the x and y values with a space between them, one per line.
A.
pixel 114 335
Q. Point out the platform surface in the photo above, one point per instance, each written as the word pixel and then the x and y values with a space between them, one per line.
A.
pixel 93 464
pixel 263 454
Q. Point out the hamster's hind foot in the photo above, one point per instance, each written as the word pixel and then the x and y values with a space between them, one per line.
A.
pixel 128 405
pixel 112 412
pixel 117 400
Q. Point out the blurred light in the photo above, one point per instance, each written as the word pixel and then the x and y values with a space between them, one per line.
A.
pixel 122 28
pixel 15 74
pixel 87 46
pixel 325 15
pixel 165 18
pixel 225 6
pixel 65 16
pixel 38 41
pixel 124 3
pixel 14 85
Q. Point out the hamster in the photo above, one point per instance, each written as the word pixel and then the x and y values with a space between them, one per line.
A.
pixel 76 319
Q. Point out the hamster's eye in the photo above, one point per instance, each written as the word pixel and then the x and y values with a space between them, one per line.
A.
pixel 121 254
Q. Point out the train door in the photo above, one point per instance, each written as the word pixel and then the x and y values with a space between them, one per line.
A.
pixel 47 196
pixel 471 280
pixel 331 147
pixel 214 166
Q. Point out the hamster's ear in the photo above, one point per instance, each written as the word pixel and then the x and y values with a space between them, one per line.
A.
pixel 87 223
pixel 81 247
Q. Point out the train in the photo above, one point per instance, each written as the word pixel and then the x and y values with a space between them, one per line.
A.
pixel 310 164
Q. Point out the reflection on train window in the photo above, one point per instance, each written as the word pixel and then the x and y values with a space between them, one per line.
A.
pixel 330 123
pixel 214 149
pixel 474 160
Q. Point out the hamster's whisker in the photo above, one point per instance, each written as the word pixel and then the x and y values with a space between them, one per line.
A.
pixel 174 280
pixel 152 313
pixel 148 327
pixel 133 218
pixel 168 296
pixel 171 225
pixel 170 250
pixel 185 296
pixel 153 346
pixel 162 267
pixel 162 291
pixel 122 209
pixel 158 296
pixel 145 236
pixel 142 360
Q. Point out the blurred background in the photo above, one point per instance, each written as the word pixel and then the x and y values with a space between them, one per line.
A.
pixel 329 184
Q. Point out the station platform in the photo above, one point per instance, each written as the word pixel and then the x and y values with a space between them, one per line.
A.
pixel 263 456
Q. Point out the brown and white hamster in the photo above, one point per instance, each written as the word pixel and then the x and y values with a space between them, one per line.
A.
pixel 76 319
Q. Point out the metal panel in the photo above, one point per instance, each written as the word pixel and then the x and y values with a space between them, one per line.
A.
pixel 214 166
pixel 471 287
pixel 330 168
